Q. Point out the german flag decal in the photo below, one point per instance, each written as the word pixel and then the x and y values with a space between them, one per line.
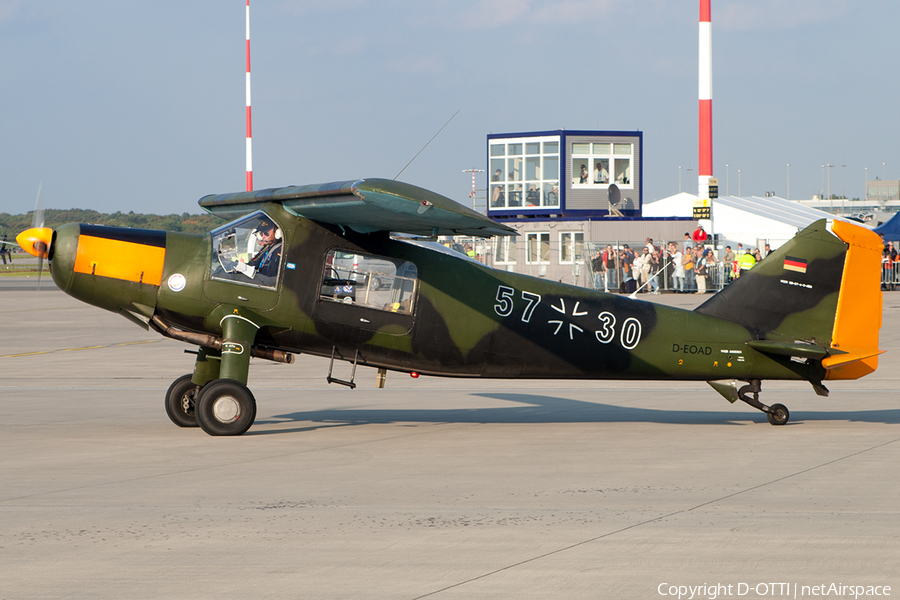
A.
pixel 795 264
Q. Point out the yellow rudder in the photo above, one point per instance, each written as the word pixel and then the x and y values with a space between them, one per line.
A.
pixel 858 317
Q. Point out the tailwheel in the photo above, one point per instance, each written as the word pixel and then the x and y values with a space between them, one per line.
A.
pixel 181 400
pixel 225 407
pixel 778 414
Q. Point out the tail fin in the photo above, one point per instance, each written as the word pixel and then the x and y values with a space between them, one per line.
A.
pixel 858 317
pixel 823 287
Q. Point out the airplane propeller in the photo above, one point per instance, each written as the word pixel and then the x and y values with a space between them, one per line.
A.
pixel 36 241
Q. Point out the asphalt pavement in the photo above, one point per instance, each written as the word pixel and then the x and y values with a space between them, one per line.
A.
pixel 429 488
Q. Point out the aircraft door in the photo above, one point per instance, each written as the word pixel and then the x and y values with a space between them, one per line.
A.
pixel 367 292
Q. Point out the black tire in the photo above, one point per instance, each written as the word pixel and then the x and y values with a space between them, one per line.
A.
pixel 181 400
pixel 779 414
pixel 225 407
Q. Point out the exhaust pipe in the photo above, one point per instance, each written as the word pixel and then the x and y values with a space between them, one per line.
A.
pixel 215 342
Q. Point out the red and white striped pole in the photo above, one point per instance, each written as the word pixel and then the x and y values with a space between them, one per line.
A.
pixel 705 170
pixel 249 129
pixel 473 171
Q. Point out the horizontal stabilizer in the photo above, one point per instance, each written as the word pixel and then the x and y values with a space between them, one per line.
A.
pixel 840 360
pixel 366 206
pixel 800 349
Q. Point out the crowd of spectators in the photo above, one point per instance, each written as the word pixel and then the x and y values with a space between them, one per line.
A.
pixel 691 266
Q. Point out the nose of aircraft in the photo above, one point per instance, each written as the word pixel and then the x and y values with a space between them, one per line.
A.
pixel 116 268
pixel 36 241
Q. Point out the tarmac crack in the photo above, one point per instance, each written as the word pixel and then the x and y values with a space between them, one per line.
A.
pixel 651 521
pixel 55 350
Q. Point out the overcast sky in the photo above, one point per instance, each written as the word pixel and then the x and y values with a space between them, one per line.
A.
pixel 139 106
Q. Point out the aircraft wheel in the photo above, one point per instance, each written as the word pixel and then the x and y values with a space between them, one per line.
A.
pixel 779 414
pixel 181 400
pixel 225 407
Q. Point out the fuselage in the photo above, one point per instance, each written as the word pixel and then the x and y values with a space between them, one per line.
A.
pixel 439 313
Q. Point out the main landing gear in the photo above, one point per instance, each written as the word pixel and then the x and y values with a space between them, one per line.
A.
pixel 215 396
pixel 777 414
pixel 221 407
pixel 225 407
pixel 181 401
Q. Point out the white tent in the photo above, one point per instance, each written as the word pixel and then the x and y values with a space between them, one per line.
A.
pixel 679 205
pixel 752 221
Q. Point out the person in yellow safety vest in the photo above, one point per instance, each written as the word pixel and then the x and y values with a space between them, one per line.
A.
pixel 746 262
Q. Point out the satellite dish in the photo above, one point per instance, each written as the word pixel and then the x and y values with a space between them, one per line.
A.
pixel 614 198
pixel 614 195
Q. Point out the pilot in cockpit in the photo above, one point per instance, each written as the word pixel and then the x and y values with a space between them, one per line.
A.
pixel 267 259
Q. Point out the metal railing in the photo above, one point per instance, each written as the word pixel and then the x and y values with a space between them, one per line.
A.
pixel 890 276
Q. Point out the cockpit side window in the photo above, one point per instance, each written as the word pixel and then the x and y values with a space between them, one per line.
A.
pixel 377 282
pixel 248 251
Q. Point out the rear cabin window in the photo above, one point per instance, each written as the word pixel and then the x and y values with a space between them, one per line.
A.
pixel 375 282
pixel 247 251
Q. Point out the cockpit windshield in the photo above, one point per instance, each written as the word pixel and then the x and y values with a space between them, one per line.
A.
pixel 247 251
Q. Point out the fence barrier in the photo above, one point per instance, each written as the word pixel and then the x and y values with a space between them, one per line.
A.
pixel 616 276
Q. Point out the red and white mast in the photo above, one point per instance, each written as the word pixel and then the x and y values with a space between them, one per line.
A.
pixel 705 170
pixel 249 129
pixel 472 194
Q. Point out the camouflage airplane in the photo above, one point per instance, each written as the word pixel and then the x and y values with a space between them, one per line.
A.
pixel 348 270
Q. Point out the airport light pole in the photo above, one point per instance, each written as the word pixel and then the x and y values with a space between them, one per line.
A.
pixel 689 178
pixel 679 179
pixel 739 183
pixel 822 189
pixel 842 188
pixel 830 199
pixel 789 181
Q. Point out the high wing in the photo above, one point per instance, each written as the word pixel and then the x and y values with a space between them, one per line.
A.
pixel 365 206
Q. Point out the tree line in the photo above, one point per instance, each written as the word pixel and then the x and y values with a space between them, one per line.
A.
pixel 11 225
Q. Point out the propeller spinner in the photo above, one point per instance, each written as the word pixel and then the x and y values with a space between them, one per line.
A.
pixel 36 241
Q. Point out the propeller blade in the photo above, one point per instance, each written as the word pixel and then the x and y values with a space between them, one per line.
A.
pixel 37 218
pixel 37 222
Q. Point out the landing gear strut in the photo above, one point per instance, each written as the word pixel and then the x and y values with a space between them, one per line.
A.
pixel 777 414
